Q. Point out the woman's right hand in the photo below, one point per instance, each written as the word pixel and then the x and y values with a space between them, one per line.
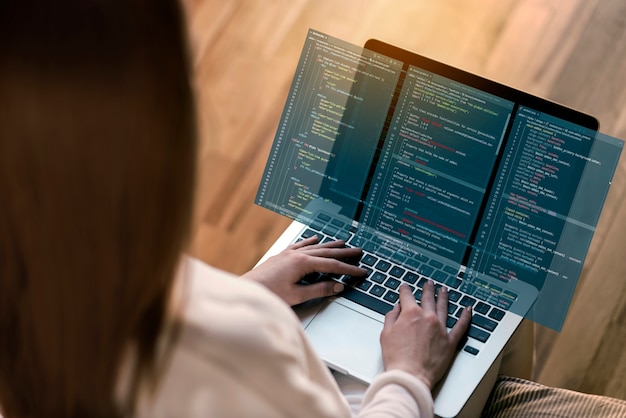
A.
pixel 414 339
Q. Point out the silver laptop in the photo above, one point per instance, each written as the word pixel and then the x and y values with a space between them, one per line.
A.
pixel 437 174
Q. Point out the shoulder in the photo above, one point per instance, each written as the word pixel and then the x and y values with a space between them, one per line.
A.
pixel 215 301
pixel 240 351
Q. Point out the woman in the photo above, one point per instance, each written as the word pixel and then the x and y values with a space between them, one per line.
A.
pixel 99 313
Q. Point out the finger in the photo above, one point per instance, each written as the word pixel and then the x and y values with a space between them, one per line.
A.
pixel 336 253
pixel 320 290
pixel 442 305
pixel 392 316
pixel 329 248
pixel 305 242
pixel 334 266
pixel 320 245
pixel 428 296
pixel 406 296
pixel 460 328
pixel 337 243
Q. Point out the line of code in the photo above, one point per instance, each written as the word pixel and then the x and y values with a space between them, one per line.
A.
pixel 436 163
pixel 335 87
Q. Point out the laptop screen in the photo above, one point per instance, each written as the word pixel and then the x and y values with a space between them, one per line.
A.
pixel 438 161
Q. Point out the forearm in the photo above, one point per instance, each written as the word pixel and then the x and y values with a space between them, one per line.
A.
pixel 397 394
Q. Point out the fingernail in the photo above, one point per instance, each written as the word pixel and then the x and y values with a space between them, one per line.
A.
pixel 337 287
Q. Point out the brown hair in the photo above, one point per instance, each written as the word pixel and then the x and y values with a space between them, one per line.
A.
pixel 97 160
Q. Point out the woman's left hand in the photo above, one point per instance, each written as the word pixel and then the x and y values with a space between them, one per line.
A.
pixel 282 272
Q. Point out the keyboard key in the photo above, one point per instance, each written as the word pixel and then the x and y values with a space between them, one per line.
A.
pixel 478 334
pixel 323 216
pixel 412 263
pixel 338 223
pixel 482 308
pixel 377 290
pixel 425 270
pixel 450 321
pixel 440 276
pixel 391 296
pixel 468 288
pixel 481 283
pixel 450 270
pixel 418 294
pixel 509 295
pixel 369 247
pixel 469 349
pixel 364 285
pixel 453 295
pixel 384 252
pixel 482 294
pixel 368 301
pixel 392 283
pixel 317 225
pixel 309 233
pixel 365 235
pixel 421 258
pixel 496 314
pixel 453 282
pixel 330 230
pixel 410 278
pixel 397 271
pixel 383 265
pixel 355 242
pixel 452 308
pixel 467 301
pixel 496 289
pixel 483 322
pixel 369 259
pixel 398 257
pixel 436 264
pixel 343 236
pixel 378 277
pixel 504 303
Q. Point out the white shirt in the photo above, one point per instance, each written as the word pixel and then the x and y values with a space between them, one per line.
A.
pixel 242 352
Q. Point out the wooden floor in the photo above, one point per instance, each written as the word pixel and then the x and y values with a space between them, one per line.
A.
pixel 571 51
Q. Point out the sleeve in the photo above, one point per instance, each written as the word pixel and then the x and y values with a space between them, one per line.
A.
pixel 243 352
pixel 397 394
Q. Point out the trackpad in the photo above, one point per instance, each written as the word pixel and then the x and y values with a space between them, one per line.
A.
pixel 348 340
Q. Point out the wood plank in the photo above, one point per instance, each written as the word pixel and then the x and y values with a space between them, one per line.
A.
pixel 536 39
pixel 582 73
pixel 574 52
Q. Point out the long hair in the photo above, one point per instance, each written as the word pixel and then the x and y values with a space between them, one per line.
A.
pixel 97 165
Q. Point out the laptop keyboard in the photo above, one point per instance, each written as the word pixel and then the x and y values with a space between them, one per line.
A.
pixel 387 269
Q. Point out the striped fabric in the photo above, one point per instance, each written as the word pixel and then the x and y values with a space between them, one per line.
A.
pixel 518 398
